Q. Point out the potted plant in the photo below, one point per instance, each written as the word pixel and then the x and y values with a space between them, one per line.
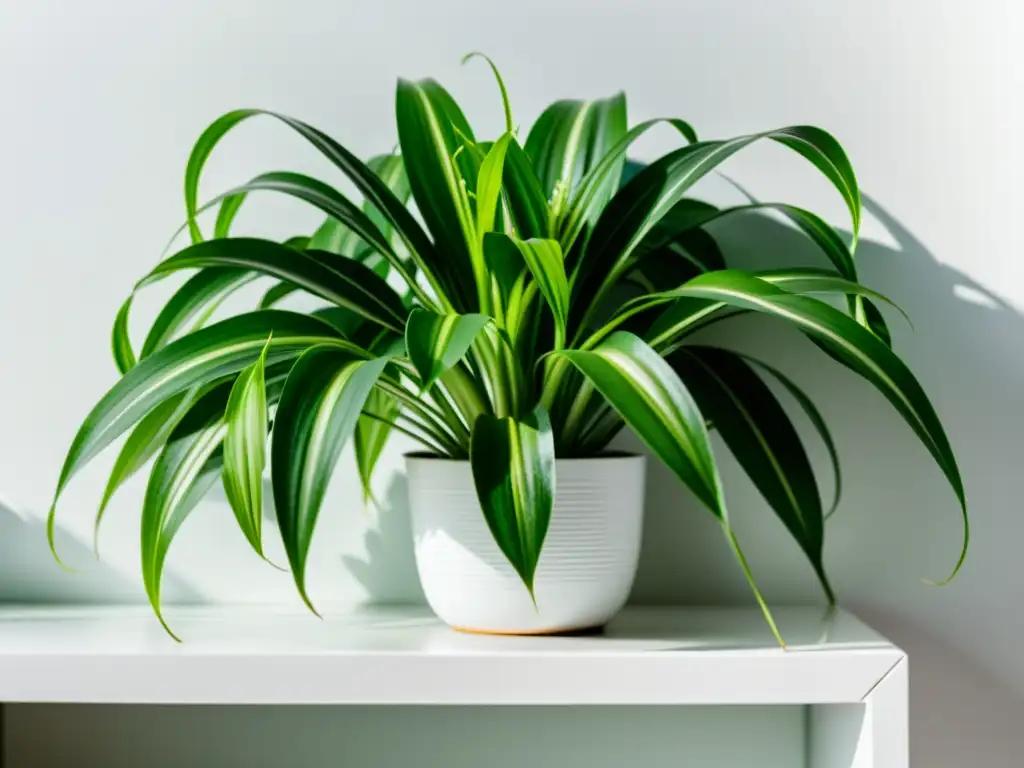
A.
pixel 549 296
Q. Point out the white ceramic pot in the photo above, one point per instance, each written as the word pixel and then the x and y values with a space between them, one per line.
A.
pixel 587 564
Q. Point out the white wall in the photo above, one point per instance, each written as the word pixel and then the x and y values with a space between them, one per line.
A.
pixel 101 100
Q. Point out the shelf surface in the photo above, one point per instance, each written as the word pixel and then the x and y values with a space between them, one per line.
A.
pixel 270 655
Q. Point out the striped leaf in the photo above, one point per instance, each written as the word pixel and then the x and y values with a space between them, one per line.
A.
pixel 853 346
pixel 817 421
pixel 658 407
pixel 431 130
pixel 145 440
pixel 758 432
pixel 602 181
pixel 568 139
pixel 121 343
pixel 342 281
pixel 372 435
pixel 544 260
pixel 202 357
pixel 319 408
pixel 526 200
pixel 368 183
pixel 435 343
pixel 640 205
pixel 514 472
pixel 245 449
pixel 185 470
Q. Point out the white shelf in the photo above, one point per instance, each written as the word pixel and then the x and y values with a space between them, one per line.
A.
pixel 851 682
pixel 258 655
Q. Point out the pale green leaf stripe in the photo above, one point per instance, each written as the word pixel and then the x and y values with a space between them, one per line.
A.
pixel 317 414
pixel 245 449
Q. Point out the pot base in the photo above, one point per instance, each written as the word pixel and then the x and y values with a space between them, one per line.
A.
pixel 597 629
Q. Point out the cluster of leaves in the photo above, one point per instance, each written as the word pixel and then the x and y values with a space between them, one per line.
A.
pixel 509 343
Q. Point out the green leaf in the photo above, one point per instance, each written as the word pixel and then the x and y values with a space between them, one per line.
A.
pixel 488 187
pixel 226 214
pixel 651 194
pixel 657 406
pixel 202 357
pixel 319 408
pixel 436 343
pixel 602 181
pixel 372 435
pixel 851 345
pixel 345 282
pixel 121 343
pixel 365 180
pixel 501 87
pixel 181 476
pixel 429 125
pixel 514 472
pixel 146 439
pixel 764 441
pixel 504 261
pixel 568 139
pixel 525 196
pixel 544 260
pixel 817 421
pixel 206 287
pixel 245 449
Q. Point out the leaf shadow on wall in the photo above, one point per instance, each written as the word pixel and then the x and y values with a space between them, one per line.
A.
pixel 387 572
pixel 898 520
pixel 28 573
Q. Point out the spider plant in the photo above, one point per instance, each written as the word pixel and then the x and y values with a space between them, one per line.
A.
pixel 545 297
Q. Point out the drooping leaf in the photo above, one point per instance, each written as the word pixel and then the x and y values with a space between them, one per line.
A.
pixel 366 181
pixel 142 444
pixel 514 472
pixel 200 358
pixel 639 206
pixel 121 343
pixel 657 406
pixel 204 288
pixel 371 436
pixel 318 412
pixel 345 282
pixel 245 449
pixel 181 476
pixel 435 343
pixel 758 432
pixel 817 421
pixel 226 214
pixel 850 344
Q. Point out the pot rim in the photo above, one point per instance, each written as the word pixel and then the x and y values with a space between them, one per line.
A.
pixel 427 457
